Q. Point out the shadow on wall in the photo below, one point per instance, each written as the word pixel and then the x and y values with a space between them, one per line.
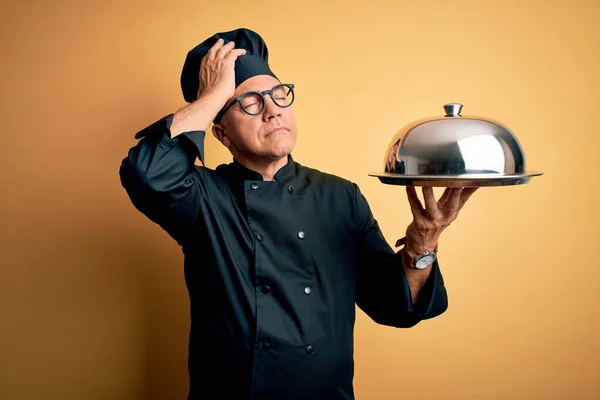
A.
pixel 152 264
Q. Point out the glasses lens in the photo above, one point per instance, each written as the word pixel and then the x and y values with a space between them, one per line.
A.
pixel 283 95
pixel 252 103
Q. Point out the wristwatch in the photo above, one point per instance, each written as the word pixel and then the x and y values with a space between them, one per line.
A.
pixel 419 261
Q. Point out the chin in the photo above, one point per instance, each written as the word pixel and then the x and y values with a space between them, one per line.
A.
pixel 282 149
pixel 280 153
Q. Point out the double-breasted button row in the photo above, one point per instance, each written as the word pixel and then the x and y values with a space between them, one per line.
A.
pixel 254 186
pixel 260 237
pixel 265 345
pixel 267 289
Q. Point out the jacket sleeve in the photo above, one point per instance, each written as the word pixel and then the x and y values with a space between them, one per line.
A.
pixel 161 179
pixel 382 290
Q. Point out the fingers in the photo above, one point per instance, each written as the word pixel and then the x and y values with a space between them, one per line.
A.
pixel 429 197
pixel 444 197
pixel 220 50
pixel 454 198
pixel 415 204
pixel 235 53
pixel 466 193
pixel 458 197
pixel 449 193
pixel 224 50
pixel 210 54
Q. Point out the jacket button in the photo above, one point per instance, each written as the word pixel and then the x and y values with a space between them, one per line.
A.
pixel 307 290
pixel 259 236
pixel 310 350
pixel 265 346
pixel 254 186
pixel 301 234
pixel 265 289
pixel 290 189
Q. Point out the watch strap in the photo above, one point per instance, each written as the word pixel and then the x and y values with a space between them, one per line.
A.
pixel 409 259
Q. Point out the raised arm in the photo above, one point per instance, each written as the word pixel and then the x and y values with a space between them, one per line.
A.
pixel 388 290
pixel 159 172
pixel 383 291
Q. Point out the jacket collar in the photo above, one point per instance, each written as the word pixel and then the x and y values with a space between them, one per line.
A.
pixel 237 172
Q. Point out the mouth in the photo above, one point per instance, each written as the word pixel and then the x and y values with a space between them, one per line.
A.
pixel 276 130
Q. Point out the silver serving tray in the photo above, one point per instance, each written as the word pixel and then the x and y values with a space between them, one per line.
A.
pixel 465 180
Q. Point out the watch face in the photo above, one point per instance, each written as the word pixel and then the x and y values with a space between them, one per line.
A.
pixel 425 261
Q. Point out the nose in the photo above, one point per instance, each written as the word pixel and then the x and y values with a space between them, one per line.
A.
pixel 271 110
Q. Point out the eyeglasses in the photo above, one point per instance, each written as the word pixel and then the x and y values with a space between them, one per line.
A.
pixel 253 103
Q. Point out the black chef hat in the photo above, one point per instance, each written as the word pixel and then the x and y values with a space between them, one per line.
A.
pixel 254 62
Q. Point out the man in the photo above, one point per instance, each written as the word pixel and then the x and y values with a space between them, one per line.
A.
pixel 277 254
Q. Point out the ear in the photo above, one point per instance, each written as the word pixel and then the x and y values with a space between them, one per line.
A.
pixel 218 131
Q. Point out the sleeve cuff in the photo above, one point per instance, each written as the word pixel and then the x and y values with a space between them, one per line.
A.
pixel 196 138
pixel 163 126
pixel 432 300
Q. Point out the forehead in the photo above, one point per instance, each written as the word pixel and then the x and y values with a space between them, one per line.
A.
pixel 257 83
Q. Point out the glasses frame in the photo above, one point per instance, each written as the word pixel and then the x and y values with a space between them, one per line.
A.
pixel 238 100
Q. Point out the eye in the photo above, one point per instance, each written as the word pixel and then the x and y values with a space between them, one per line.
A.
pixel 251 100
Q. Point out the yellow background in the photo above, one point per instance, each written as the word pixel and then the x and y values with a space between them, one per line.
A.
pixel 92 298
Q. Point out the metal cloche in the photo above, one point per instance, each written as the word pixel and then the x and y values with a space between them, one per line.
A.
pixel 454 150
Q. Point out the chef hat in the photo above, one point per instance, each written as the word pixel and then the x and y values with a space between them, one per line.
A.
pixel 254 62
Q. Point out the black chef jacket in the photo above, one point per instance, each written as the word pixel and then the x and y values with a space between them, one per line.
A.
pixel 273 269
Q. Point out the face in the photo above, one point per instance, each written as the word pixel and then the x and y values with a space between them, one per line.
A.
pixel 266 137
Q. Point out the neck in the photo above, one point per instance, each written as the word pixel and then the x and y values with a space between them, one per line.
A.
pixel 267 168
